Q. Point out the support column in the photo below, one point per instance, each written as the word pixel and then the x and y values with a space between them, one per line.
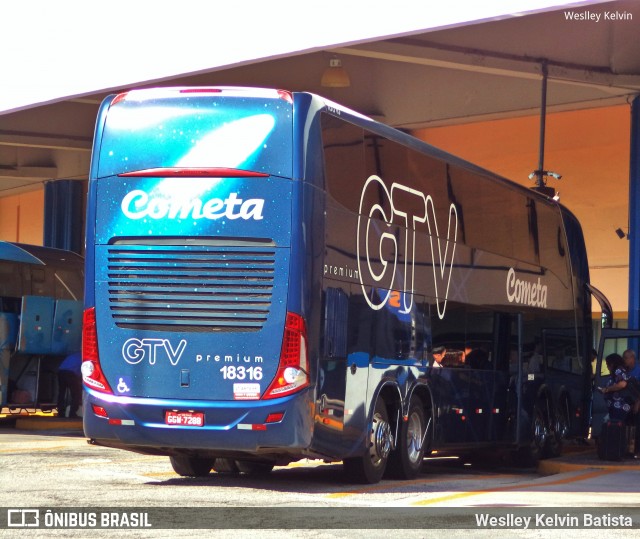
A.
pixel 63 215
pixel 634 217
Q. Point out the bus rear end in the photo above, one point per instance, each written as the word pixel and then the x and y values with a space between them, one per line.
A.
pixel 192 345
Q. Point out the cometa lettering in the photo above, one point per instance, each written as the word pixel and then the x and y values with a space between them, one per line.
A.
pixel 138 204
pixel 533 294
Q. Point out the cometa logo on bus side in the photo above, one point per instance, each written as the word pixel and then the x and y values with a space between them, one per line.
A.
pixel 533 294
pixel 139 204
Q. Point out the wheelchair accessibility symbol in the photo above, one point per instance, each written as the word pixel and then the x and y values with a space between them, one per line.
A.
pixel 123 385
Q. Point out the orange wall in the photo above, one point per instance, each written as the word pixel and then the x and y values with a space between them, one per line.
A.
pixel 590 148
pixel 22 217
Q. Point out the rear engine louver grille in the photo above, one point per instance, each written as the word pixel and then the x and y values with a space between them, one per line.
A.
pixel 190 288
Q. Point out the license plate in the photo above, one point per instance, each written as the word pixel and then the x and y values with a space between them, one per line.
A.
pixel 184 419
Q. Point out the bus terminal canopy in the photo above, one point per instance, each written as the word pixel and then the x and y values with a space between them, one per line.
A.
pixel 71 48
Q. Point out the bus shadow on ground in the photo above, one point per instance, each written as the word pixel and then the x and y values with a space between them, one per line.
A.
pixel 323 478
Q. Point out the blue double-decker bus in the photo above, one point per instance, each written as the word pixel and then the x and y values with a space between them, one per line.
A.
pixel 272 277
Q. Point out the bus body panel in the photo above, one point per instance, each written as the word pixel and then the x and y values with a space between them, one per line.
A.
pixel 178 128
pixel 189 358
pixel 378 281
pixel 181 264
pixel 194 207
pixel 151 289
pixel 231 428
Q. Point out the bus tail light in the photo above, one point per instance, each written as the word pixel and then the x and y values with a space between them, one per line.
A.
pixel 285 96
pixel 92 374
pixel 274 417
pixel 293 369
pixel 99 411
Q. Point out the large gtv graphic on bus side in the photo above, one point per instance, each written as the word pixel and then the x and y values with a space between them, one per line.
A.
pixel 442 249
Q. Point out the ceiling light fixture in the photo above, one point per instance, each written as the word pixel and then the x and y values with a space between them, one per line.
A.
pixel 335 76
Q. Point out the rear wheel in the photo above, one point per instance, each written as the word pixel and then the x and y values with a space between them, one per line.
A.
pixel 405 461
pixel 530 454
pixel 254 467
pixel 191 466
pixel 370 467
pixel 561 428
pixel 224 465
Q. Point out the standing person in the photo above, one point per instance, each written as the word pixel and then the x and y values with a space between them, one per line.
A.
pixel 612 444
pixel 618 403
pixel 70 377
pixel 633 370
pixel 630 363
pixel 535 361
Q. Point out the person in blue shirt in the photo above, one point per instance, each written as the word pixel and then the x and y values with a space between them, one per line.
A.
pixel 630 363
pixel 618 402
pixel 633 371
pixel 70 377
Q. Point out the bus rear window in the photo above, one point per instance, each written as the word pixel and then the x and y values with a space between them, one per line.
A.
pixel 195 131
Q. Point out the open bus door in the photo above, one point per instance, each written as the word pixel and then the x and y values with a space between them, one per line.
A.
pixel 611 341
pixel 605 306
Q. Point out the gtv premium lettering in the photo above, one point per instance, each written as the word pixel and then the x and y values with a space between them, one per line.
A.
pixel 135 351
pixel 138 204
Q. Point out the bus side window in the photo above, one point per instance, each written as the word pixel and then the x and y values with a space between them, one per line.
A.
pixel 336 315
pixel 562 354
pixel 11 282
pixel 505 344
pixel 479 339
pixel 343 145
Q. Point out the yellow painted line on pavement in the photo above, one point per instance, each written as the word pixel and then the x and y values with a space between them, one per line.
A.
pixel 168 473
pixel 397 484
pixel 520 486
pixel 549 467
pixel 30 449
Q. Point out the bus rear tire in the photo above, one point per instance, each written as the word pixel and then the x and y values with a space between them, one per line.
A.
pixel 225 465
pixel 405 462
pixel 191 466
pixel 370 467
pixel 562 427
pixel 254 467
pixel 529 455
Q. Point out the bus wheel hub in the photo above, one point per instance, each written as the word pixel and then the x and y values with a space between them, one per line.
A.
pixel 382 438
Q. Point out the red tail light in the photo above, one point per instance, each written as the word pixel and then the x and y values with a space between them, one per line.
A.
pixel 92 374
pixel 285 96
pixel 293 369
pixel 201 91
pixel 119 97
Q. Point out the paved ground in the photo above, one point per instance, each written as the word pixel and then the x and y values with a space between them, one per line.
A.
pixel 581 457
pixel 446 495
pixel 575 457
